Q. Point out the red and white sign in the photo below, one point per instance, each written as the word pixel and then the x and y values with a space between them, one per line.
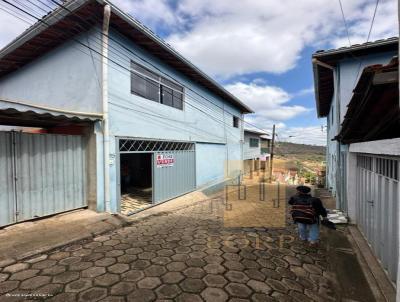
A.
pixel 165 160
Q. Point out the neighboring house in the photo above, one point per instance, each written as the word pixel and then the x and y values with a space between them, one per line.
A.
pixel 117 108
pixel 255 144
pixel 357 90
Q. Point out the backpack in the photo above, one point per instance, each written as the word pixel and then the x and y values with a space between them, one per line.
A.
pixel 304 213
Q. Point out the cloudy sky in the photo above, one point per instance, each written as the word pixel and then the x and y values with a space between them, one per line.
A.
pixel 258 49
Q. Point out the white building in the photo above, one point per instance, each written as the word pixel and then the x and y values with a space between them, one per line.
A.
pixel 357 90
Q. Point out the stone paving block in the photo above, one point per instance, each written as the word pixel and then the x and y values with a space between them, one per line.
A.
pixel 236 276
pixel 259 287
pixel 35 282
pixel 172 277
pixel 70 260
pixel 133 275
pixel 233 265
pixel 106 279
pixel 106 261
pixel 122 288
pixel 176 266
pixel 194 272
pixel 93 294
pixel 155 270
pixel 8 286
pixel 93 272
pixel 191 285
pixel 22 275
pixel 215 281
pixel 140 264
pixel 238 290
pixel 54 270
pixel 168 291
pixel 50 289
pixel 258 297
pixel 80 266
pixel 118 268
pixel 214 268
pixel 149 282
pixel 15 267
pixel 142 295
pixel 37 258
pixel 4 277
pixel 79 285
pixel 277 285
pixel 211 294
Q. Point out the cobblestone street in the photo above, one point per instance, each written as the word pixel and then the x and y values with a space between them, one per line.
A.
pixel 186 255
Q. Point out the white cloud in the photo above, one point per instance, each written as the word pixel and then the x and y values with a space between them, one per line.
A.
pixel 359 22
pixel 269 102
pixel 227 38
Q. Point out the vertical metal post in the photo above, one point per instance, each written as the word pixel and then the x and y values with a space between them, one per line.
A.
pixel 272 154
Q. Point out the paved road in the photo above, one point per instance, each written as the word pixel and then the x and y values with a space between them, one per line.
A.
pixel 183 256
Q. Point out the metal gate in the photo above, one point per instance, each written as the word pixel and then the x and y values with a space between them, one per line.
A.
pixel 377 207
pixel 172 178
pixel 40 174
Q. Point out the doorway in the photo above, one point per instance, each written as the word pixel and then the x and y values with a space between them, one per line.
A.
pixel 136 182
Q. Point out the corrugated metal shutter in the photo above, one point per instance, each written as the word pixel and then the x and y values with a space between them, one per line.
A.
pixel 175 180
pixel 7 184
pixel 377 207
pixel 50 174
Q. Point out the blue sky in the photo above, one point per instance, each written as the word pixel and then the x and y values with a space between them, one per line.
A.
pixel 260 50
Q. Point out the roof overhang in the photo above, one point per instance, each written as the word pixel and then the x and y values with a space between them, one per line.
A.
pixel 374 110
pixel 324 63
pixel 62 24
pixel 257 132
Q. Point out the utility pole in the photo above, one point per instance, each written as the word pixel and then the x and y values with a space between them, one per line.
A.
pixel 272 154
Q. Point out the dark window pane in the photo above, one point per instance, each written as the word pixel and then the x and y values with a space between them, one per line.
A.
pixel 235 122
pixel 166 96
pixel 144 87
pixel 254 142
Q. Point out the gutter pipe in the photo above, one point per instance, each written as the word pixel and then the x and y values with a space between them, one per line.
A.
pixel 106 135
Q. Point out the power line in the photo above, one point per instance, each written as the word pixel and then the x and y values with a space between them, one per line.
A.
pixel 344 21
pixel 373 20
pixel 162 116
pixel 156 67
pixel 113 61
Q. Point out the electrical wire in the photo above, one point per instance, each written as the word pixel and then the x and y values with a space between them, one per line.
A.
pixel 344 21
pixel 157 68
pixel 181 128
pixel 113 61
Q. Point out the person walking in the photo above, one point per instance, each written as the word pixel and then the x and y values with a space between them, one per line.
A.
pixel 306 212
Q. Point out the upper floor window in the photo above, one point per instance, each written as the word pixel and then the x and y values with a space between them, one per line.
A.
pixel 254 142
pixel 235 122
pixel 154 87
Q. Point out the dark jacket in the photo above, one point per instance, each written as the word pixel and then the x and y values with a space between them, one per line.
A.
pixel 316 203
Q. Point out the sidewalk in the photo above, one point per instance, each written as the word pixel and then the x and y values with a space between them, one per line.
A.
pixel 33 237
pixel 345 262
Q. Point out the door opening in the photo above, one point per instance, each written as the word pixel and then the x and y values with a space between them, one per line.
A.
pixel 136 182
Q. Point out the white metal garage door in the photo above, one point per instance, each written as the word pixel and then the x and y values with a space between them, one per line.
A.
pixel 40 174
pixel 377 207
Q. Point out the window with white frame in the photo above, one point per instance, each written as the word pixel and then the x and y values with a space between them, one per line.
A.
pixel 151 86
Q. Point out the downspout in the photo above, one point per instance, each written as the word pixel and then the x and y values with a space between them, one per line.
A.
pixel 106 134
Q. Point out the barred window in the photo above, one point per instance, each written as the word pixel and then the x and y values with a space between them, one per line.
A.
pixel 151 86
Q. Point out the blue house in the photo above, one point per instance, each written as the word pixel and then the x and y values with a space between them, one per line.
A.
pixel 105 110
pixel 357 90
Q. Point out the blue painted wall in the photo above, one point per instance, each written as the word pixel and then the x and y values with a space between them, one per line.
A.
pixel 218 143
pixel 66 78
